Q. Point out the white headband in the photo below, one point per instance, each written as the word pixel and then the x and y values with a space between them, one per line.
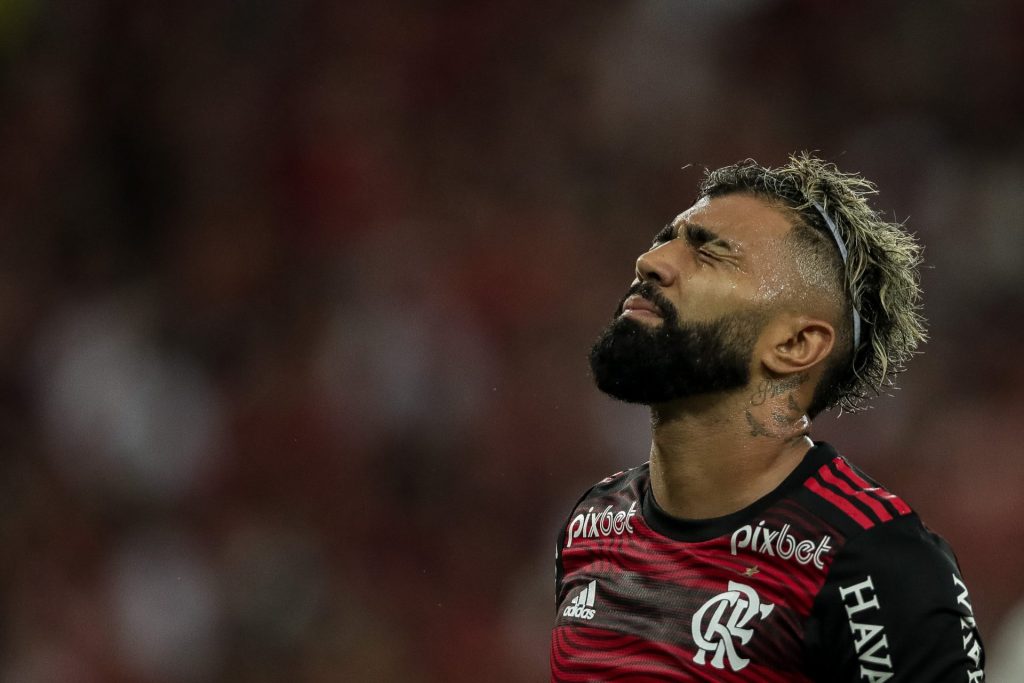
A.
pixel 842 251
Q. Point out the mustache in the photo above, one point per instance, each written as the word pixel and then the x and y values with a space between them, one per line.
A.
pixel 648 291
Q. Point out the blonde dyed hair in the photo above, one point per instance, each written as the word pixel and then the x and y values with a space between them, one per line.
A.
pixel 880 278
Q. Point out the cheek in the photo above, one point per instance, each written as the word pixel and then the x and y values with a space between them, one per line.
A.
pixel 709 299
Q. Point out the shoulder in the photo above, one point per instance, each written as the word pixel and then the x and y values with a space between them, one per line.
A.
pixel 903 558
pixel 879 528
pixel 851 500
pixel 626 483
pixel 623 485
pixel 613 501
pixel 622 480
pixel 893 599
pixel 885 547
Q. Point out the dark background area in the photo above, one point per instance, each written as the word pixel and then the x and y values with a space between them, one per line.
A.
pixel 296 299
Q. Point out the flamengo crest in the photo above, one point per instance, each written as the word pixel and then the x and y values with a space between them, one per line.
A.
pixel 723 619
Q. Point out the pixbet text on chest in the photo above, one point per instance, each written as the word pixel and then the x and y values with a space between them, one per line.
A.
pixel 764 540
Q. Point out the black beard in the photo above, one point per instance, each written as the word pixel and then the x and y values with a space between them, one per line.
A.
pixel 638 363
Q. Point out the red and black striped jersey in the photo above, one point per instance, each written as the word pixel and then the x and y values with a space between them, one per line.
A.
pixel 828 578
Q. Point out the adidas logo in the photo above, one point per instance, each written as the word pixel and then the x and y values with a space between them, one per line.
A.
pixel 582 606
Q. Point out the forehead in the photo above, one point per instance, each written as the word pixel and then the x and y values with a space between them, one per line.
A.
pixel 751 223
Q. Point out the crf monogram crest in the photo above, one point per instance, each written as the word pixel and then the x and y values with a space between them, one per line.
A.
pixel 722 620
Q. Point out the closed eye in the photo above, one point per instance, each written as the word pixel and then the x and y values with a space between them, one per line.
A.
pixel 698 236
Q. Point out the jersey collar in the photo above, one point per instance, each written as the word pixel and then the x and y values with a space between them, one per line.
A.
pixel 696 530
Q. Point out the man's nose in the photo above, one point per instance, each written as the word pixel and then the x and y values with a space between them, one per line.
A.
pixel 657 266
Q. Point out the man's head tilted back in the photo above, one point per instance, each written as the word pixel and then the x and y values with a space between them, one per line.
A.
pixel 785 274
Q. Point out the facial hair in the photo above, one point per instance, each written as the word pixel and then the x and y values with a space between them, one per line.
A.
pixel 645 364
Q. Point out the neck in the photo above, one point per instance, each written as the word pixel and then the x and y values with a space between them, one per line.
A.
pixel 712 456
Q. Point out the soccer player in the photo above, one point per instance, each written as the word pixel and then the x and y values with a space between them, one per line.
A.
pixel 743 550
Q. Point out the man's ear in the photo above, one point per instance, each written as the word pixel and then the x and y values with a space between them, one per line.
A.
pixel 797 344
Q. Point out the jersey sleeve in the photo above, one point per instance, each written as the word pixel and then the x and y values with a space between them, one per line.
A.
pixel 559 571
pixel 894 607
pixel 560 544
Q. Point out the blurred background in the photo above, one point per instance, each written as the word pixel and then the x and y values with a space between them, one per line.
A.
pixel 296 299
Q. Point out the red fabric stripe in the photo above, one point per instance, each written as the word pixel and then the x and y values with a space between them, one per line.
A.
pixel 879 509
pixel 896 501
pixel 582 654
pixel 839 502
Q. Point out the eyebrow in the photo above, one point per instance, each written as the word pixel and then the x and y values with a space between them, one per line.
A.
pixel 701 234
